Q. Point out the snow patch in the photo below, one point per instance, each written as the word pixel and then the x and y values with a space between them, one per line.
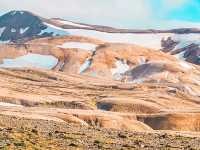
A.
pixel 9 105
pixel 13 30
pixel 13 12
pixel 141 60
pixel 23 30
pixel 85 66
pixel 186 39
pixel 31 60
pixel 190 91
pixel 121 68
pixel 73 24
pixel 2 30
pixel 136 81
pixel 79 45
pixel 186 65
pixel 4 42
pixel 181 55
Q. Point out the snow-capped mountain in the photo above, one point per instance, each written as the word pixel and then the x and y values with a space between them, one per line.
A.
pixel 20 26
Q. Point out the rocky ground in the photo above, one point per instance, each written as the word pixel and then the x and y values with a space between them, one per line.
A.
pixel 37 134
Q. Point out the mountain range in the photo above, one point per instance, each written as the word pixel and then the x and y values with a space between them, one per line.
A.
pixel 20 26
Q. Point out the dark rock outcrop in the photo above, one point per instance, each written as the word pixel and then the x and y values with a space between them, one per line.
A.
pixel 190 53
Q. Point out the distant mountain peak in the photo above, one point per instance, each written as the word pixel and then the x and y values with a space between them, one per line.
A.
pixel 17 25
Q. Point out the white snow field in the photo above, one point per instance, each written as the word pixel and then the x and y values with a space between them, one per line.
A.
pixel 147 40
pixel 79 45
pixel 31 60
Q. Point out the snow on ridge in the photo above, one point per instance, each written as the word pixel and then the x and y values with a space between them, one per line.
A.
pixel 150 40
pixel 73 24
pixel 53 26
pixel 79 45
pixel 23 30
pixel 31 60
pixel 54 29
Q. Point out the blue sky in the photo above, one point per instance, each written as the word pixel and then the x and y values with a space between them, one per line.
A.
pixel 187 10
pixel 190 12
pixel 118 13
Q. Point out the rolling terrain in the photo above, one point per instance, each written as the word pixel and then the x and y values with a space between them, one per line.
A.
pixel 62 82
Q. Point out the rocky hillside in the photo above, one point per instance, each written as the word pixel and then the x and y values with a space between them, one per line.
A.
pixel 101 102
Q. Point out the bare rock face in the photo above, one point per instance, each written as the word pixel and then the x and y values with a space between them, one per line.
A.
pixel 168 44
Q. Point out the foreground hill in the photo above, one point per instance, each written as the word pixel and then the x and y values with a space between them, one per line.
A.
pixel 51 135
